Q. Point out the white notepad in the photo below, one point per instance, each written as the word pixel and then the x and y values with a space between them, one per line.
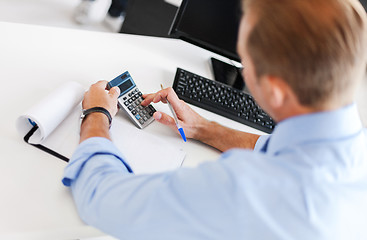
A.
pixel 58 118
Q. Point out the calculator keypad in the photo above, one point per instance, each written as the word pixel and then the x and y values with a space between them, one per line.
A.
pixel 132 103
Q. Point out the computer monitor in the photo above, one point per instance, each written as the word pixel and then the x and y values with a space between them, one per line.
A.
pixel 213 25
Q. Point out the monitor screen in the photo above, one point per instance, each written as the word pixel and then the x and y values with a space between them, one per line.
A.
pixel 211 24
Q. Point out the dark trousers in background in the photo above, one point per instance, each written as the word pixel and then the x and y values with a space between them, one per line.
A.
pixel 117 8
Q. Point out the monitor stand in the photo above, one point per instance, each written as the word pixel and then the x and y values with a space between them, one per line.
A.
pixel 228 74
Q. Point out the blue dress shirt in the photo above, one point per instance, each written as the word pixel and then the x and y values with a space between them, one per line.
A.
pixel 308 180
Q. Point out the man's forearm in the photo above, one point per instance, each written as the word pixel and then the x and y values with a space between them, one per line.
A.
pixel 95 125
pixel 224 138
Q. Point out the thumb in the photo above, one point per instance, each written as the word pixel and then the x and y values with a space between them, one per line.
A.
pixel 164 119
pixel 114 92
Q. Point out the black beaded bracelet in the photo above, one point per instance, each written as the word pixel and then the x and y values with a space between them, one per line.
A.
pixel 85 112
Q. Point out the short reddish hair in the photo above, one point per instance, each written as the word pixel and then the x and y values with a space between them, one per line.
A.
pixel 319 47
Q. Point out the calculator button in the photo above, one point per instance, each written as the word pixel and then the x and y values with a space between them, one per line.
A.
pixel 133 104
pixel 145 118
pixel 133 98
pixel 152 108
pixel 130 101
pixel 134 112
pixel 129 94
pixel 139 93
pixel 140 107
pixel 137 96
pixel 138 116
pixel 141 121
pixel 144 112
pixel 130 107
pixel 126 103
pixel 124 98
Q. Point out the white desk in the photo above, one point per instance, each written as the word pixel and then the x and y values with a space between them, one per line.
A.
pixel 34 60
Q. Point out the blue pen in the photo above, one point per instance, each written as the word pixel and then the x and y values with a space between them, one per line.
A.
pixel 180 129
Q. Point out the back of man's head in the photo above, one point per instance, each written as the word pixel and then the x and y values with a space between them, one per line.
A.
pixel 319 47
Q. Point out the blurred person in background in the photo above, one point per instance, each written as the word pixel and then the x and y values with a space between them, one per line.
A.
pixel 114 17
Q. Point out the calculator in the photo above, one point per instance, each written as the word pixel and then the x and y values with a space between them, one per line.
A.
pixel 130 99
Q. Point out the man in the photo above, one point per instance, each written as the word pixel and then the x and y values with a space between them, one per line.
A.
pixel 308 180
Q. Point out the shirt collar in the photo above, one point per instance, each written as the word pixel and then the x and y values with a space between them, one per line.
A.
pixel 313 127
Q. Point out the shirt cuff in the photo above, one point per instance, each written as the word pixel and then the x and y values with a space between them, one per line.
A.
pixel 85 151
pixel 260 143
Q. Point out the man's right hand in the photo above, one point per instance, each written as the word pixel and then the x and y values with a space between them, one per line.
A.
pixel 189 120
pixel 197 127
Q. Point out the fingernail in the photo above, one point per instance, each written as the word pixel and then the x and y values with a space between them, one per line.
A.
pixel 157 115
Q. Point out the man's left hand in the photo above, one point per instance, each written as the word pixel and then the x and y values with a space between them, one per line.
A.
pixel 98 96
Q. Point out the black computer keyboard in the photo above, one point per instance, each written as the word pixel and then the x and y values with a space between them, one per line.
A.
pixel 221 99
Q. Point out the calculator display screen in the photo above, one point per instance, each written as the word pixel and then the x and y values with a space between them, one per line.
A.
pixel 125 85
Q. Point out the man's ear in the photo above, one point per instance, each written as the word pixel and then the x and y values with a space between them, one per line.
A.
pixel 275 89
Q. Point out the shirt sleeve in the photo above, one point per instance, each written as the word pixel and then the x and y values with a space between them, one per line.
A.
pixel 262 141
pixel 87 150
pixel 181 204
